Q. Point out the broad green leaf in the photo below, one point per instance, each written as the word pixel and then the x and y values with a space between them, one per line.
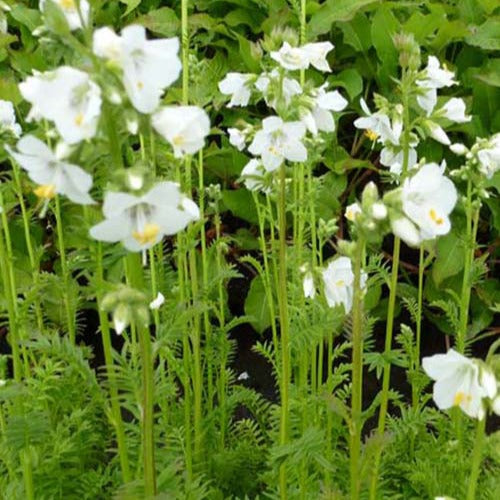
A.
pixel 246 54
pixel 357 33
pixel 31 18
pixel 131 5
pixel 163 21
pixel 257 307
pixel 333 11
pixel 351 80
pixel 490 73
pixel 450 258
pixel 487 35
pixel 240 203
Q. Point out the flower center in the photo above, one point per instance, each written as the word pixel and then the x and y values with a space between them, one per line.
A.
pixel 178 140
pixel 433 215
pixel 140 85
pixel 340 283
pixel 461 397
pixel 79 119
pixel 68 4
pixel 372 135
pixel 351 214
pixel 45 191
pixel 147 235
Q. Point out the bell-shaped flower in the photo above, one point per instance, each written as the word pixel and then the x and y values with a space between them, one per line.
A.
pixel 69 98
pixel 279 141
pixel 51 172
pixel 74 11
pixel 148 66
pixel 316 53
pixel 437 132
pixel 140 222
pixel 184 127
pixel 428 198
pixel 8 121
pixel 253 175
pixel 338 279
pixel 458 383
pixel 237 86
pixel 378 125
pixel 320 117
pixel 289 88
pixel 489 157
pixel 454 110
pixel 406 230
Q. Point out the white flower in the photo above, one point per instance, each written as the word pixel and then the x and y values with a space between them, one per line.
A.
pixel 352 211
pixel 379 211
pixel 437 133
pixel 495 406
pixel 158 302
pixel 454 110
pixel 51 172
pixel 149 66
pixel 278 141
pixel 291 57
pixel 316 53
pixel 428 198
pixel 236 138
pixel 8 118
pixel 70 10
pixel 393 157
pixel 308 286
pixel 378 125
pixel 253 174
pixel 457 383
pixel 489 157
pixel 404 229
pixel 338 279
pixel 321 117
pixel 184 127
pixel 289 88
pixel 140 222
pixel 427 99
pixel 243 376
pixel 459 149
pixel 237 86
pixel 69 98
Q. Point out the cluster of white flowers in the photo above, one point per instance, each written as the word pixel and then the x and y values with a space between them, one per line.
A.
pixel 463 382
pixel 72 99
pixel 280 139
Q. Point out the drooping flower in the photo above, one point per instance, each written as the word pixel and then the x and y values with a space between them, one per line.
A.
pixel 237 86
pixel 378 125
pixel 253 174
pixel 427 199
pixel 458 383
pixel 406 230
pixel 289 88
pixel 489 157
pixel 338 279
pixel 140 222
pixel 278 141
pixel 454 110
pixel 184 127
pixel 437 132
pixel 320 117
pixel 70 10
pixel 8 121
pixel 393 157
pixel 308 286
pixel 66 96
pixel 294 58
pixel 51 172
pixel 316 53
pixel 148 66
pixel 236 138
pixel 157 302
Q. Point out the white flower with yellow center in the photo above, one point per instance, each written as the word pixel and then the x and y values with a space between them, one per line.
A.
pixel 489 157
pixel 378 126
pixel 149 66
pixel 428 198
pixel 279 141
pixel 338 279
pixel 8 121
pixel 458 383
pixel 352 211
pixel 237 86
pixel 69 98
pixel 70 10
pixel 51 172
pixel 184 127
pixel 140 222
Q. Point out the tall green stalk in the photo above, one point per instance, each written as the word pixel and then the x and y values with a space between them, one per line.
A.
pixel 284 325
pixel 477 455
pixel 418 327
pixel 357 373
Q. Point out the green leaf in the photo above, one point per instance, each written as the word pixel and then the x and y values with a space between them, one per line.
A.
pixel 333 11
pixel 247 57
pixel 351 80
pixel 357 33
pixel 163 21
pixel 490 74
pixel 131 5
pixel 31 18
pixel 240 203
pixel 487 35
pixel 55 20
pixel 450 257
pixel 256 306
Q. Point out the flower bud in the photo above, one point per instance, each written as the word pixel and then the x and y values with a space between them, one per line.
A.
pixel 379 211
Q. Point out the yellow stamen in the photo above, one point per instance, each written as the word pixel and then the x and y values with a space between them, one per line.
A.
pixel 79 119
pixel 178 140
pixel 148 235
pixel 371 134
pixel 140 85
pixel 45 191
pixel 273 150
pixel 340 283
pixel 68 4
pixel 435 218
pixel 350 215
pixel 460 397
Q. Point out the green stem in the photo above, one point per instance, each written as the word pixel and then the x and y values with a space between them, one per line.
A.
pixel 421 268
pixel 357 373
pixel 477 455
pixel 285 342
pixel 134 265
pixel 65 271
